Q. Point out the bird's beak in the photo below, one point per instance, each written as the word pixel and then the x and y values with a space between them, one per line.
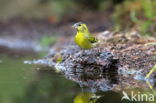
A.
pixel 75 26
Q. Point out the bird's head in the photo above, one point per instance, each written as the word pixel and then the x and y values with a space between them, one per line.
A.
pixel 81 27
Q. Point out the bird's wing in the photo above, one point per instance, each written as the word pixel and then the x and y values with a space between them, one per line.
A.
pixel 91 38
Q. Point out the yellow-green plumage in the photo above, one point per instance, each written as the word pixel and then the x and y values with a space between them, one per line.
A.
pixel 83 37
pixel 85 97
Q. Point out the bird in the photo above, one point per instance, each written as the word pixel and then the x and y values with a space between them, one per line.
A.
pixel 83 37
pixel 85 97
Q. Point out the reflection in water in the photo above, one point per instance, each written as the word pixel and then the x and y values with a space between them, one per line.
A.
pixel 48 87
pixel 21 83
pixel 102 97
pixel 85 97
pixel 14 76
pixel 133 96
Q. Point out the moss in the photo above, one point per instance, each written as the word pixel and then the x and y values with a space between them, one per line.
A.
pixel 136 13
pixel 48 40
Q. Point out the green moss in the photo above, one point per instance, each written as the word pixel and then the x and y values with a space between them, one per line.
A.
pixel 136 13
pixel 48 40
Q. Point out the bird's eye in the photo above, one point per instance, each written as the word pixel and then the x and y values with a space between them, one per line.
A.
pixel 79 25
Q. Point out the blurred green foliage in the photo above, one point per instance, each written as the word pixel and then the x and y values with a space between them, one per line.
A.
pixel 62 7
pixel 136 13
pixel 48 40
pixel 54 9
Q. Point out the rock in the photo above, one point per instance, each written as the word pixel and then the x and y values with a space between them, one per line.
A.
pixel 121 60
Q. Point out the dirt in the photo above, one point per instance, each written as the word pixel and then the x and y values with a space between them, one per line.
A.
pixel 136 55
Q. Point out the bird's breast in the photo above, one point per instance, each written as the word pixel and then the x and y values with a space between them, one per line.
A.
pixel 82 41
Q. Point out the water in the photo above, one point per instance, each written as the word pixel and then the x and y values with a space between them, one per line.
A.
pixel 22 83
pixel 34 83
